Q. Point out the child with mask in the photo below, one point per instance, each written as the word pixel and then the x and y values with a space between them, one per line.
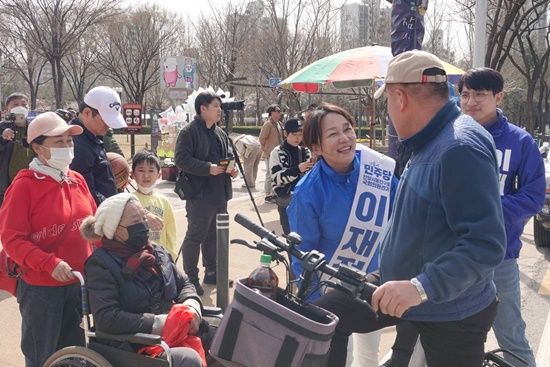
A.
pixel 146 171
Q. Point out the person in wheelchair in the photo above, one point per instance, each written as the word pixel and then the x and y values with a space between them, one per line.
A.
pixel 133 283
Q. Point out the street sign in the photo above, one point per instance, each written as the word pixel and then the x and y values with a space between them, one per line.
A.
pixel 132 115
pixel 274 82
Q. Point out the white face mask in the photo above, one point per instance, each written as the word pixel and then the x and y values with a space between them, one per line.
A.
pixel 61 158
pixel 20 110
pixel 146 190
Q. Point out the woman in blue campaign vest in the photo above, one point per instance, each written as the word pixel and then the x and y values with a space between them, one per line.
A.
pixel 342 205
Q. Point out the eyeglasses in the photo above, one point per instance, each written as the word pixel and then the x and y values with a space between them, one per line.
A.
pixel 476 96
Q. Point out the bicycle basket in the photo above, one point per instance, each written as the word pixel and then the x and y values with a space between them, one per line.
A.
pixel 257 331
pixel 503 358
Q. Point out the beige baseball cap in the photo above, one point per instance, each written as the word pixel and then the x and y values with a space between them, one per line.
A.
pixel 50 124
pixel 413 67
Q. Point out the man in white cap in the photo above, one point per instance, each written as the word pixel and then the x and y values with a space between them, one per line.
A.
pixel 446 233
pixel 100 110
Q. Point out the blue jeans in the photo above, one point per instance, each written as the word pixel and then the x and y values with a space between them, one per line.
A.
pixel 509 326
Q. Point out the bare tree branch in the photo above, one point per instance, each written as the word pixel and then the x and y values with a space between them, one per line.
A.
pixel 54 27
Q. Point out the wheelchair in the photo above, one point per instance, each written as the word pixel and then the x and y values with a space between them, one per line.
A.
pixel 96 354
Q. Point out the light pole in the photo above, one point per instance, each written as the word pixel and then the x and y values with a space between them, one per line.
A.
pixel 480 27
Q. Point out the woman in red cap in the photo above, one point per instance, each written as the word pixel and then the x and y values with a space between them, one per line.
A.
pixel 39 230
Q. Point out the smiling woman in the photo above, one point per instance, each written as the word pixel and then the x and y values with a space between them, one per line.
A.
pixel 328 205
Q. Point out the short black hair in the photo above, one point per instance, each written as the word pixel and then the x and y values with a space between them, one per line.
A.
pixel 272 108
pixel 16 95
pixel 312 124
pixel 204 99
pixel 145 156
pixel 482 79
pixel 38 140
pixel 82 105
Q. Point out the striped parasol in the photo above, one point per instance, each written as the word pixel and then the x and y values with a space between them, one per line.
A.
pixel 357 67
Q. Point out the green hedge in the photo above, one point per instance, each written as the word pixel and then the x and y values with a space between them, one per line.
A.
pixel 255 130
pixel 145 130
pixel 249 130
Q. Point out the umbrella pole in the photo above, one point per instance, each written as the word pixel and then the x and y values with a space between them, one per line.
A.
pixel 370 99
pixel 373 109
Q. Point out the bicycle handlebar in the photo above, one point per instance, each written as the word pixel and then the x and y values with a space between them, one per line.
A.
pixel 312 260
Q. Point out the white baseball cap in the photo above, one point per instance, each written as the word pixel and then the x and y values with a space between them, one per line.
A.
pixel 107 102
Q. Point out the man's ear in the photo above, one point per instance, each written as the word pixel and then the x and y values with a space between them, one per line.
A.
pixel 401 98
pixel 499 97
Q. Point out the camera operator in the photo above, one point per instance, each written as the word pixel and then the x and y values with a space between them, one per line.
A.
pixel 13 128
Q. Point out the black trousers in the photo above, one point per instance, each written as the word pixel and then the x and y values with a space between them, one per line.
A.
pixel 50 320
pixel 450 343
pixel 405 341
pixel 283 217
pixel 200 236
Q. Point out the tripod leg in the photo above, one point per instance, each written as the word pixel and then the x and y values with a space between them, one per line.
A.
pixel 240 167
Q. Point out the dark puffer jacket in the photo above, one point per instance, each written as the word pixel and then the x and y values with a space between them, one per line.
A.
pixel 193 149
pixel 121 305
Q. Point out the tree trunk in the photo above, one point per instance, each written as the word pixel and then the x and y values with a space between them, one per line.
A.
pixel 33 96
pixel 58 81
pixel 530 106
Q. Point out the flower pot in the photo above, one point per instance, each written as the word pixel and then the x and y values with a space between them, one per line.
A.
pixel 169 173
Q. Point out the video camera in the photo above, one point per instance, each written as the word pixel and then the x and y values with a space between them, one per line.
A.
pixel 17 122
pixel 15 119
pixel 233 106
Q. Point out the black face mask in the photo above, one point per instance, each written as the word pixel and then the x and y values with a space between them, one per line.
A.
pixel 138 235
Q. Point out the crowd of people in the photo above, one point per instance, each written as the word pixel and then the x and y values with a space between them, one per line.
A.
pixel 439 237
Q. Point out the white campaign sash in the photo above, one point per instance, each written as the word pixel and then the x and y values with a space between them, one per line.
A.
pixel 369 211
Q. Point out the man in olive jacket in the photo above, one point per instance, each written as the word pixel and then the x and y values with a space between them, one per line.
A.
pixel 200 148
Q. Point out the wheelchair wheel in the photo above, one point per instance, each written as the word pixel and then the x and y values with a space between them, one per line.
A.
pixel 76 357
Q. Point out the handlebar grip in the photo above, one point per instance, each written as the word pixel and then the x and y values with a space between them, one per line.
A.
pixel 252 227
pixel 263 232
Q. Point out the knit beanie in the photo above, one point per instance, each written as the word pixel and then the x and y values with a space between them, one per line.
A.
pixel 108 214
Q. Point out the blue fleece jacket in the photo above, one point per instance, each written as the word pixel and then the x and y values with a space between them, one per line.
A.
pixel 522 181
pixel 447 227
pixel 320 207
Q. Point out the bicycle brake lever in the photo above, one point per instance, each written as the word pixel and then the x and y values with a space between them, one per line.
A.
pixel 269 248
pixel 244 243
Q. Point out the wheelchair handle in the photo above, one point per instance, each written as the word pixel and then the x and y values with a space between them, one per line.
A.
pixel 83 293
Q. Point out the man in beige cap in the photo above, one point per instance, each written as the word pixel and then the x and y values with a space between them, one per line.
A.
pixel 100 110
pixel 446 234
